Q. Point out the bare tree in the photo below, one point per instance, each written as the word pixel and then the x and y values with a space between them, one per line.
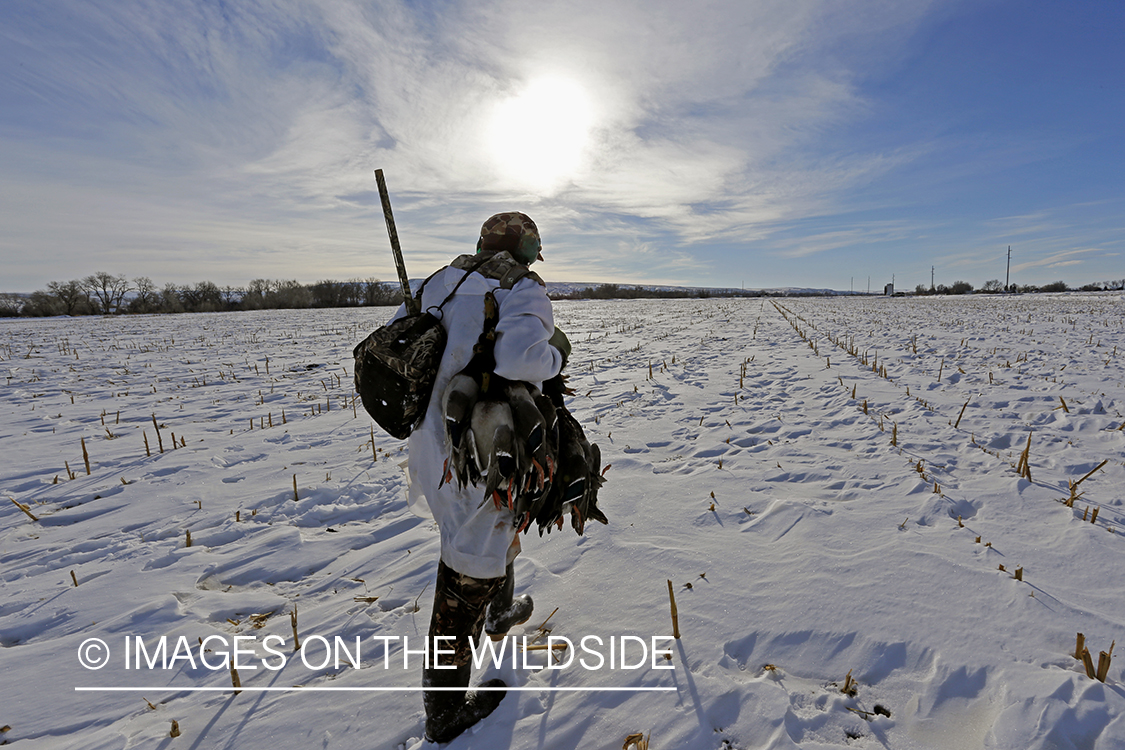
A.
pixel 11 304
pixel 147 296
pixel 353 292
pixel 326 293
pixel 203 297
pixel 42 304
pixel 255 296
pixel 170 300
pixel 290 294
pixel 380 293
pixel 232 295
pixel 72 296
pixel 108 289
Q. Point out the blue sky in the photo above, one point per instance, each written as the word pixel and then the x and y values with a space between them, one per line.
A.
pixel 743 143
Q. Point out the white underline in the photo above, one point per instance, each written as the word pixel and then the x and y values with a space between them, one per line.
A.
pixel 173 688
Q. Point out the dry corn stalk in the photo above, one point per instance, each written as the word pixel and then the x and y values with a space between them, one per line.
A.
pixel 258 621
pixel 637 741
pixel 24 508
pixel 1074 494
pixel 963 407
pixel 1104 659
pixel 675 614
pixel 1024 467
pixel 1089 664
pixel 1091 472
pixel 543 625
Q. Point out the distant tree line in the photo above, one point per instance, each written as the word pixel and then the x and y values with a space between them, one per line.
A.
pixel 995 286
pixel 630 291
pixel 105 294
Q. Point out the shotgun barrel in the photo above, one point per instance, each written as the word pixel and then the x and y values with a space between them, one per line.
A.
pixel 412 305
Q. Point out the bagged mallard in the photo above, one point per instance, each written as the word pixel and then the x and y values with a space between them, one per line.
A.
pixel 496 452
pixel 524 448
pixel 457 408
pixel 536 462
pixel 578 472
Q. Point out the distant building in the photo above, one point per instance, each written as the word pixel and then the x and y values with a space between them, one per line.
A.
pixel 889 290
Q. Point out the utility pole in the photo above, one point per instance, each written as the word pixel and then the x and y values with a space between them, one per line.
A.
pixel 931 278
pixel 1008 269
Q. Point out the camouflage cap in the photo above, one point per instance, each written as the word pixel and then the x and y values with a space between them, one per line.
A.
pixel 514 232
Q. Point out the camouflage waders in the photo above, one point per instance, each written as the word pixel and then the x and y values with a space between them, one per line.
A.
pixel 460 602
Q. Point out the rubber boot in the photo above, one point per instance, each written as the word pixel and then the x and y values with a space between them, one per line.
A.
pixel 451 712
pixel 505 612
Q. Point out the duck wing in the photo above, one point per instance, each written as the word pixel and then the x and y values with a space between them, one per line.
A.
pixel 458 400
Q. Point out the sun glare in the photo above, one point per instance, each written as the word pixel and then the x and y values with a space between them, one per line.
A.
pixel 538 136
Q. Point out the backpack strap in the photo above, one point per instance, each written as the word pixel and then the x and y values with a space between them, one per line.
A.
pixel 497 265
pixel 418 294
pixel 468 272
pixel 502 267
pixel 517 272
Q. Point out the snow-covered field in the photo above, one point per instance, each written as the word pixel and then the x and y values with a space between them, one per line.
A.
pixel 808 533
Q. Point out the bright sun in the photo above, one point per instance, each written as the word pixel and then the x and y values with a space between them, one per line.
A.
pixel 538 136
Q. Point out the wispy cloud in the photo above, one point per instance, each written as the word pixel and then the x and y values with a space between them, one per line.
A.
pixel 144 129
pixel 1059 260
